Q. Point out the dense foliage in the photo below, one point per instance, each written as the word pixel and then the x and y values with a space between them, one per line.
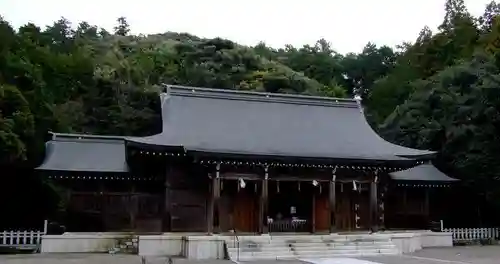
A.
pixel 440 92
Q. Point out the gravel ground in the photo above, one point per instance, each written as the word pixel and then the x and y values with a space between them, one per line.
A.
pixel 456 255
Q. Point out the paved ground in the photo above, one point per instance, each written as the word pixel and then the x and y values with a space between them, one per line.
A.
pixel 95 259
pixel 457 255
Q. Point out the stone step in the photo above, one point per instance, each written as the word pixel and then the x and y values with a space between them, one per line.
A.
pixel 345 251
pixel 316 249
pixel 258 246
pixel 303 247
pixel 272 255
pixel 257 258
pixel 266 254
pixel 305 244
pixel 362 243
pixel 291 241
pixel 302 257
pixel 261 256
pixel 263 249
pixel 323 237
pixel 254 241
pixel 279 249
pixel 307 241
pixel 341 244
pixel 388 246
pixel 337 255
pixel 125 246
pixel 303 237
pixel 313 249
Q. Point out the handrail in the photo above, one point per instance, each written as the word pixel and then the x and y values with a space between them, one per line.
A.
pixel 236 244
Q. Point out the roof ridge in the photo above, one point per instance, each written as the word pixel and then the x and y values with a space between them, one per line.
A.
pixel 257 96
pixel 56 136
pixel 89 141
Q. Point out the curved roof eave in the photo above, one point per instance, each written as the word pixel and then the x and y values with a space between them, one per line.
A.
pixel 415 153
pixel 151 142
pixel 396 161
pixel 424 172
pixel 392 161
pixel 401 151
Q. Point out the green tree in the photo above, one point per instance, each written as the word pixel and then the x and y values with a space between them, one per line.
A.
pixel 123 28
pixel 439 92
pixel 16 124
pixel 457 113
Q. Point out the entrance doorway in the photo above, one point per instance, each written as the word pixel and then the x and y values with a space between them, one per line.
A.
pixel 239 210
pixel 290 206
pixel 246 212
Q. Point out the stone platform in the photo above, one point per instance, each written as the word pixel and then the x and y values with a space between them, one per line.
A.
pixel 252 247
pixel 450 255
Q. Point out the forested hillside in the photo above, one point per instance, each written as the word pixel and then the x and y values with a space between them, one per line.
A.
pixel 440 92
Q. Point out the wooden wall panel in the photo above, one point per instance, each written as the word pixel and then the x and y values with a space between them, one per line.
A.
pixel 322 211
pixel 362 197
pixel 188 211
pixel 186 199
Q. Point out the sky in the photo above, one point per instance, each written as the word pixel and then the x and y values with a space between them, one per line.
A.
pixel 348 25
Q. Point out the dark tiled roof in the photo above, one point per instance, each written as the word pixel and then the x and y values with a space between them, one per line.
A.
pixel 84 153
pixel 424 172
pixel 247 123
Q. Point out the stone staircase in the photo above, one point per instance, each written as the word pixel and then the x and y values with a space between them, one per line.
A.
pixel 128 245
pixel 283 247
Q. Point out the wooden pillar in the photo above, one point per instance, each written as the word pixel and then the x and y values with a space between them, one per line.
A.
pixel 426 204
pixel 332 202
pixel 213 207
pixel 263 205
pixel 168 207
pixel 405 208
pixel 374 218
pixel 313 217
pixel 210 207
pixel 104 205
pixel 133 207
pixel 216 196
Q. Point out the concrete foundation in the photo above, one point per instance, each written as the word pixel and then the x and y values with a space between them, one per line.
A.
pixel 411 241
pixel 213 246
pixel 83 242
